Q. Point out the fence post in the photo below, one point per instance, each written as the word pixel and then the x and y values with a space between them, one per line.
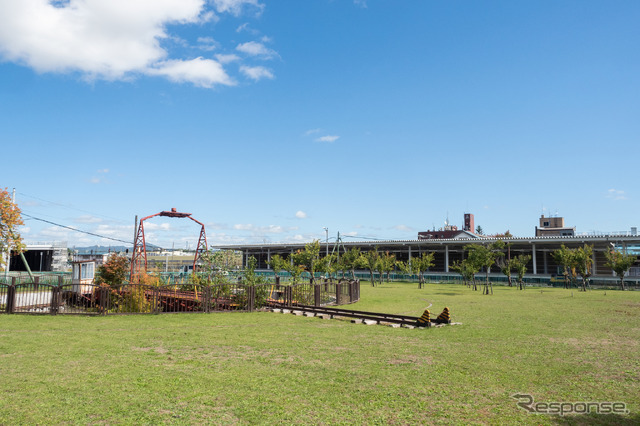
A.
pixel 11 296
pixel 155 299
pixel 289 295
pixel 316 294
pixel 36 283
pixel 55 298
pixel 104 300
pixel 338 293
pixel 251 293
pixel 351 284
pixel 206 299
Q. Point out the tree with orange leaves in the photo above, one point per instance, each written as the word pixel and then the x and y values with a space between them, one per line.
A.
pixel 10 219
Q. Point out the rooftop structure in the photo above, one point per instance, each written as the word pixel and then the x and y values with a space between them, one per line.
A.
pixel 553 226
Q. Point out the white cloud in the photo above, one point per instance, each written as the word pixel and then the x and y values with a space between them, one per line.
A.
pixel 328 138
pixel 403 228
pixel 207 43
pixel 253 48
pixel 312 131
pixel 271 229
pixel 301 215
pixel 200 72
pixel 616 194
pixel 243 226
pixel 235 6
pixel 256 73
pixel 113 40
pixel 150 226
pixel 101 178
pixel 227 58
pixel 246 28
pixel 88 219
pixel 361 3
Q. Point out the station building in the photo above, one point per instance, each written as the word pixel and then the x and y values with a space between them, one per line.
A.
pixel 449 243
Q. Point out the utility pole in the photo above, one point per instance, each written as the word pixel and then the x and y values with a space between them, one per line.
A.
pixel 326 230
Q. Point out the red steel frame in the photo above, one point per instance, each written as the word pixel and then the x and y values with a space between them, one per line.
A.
pixel 139 256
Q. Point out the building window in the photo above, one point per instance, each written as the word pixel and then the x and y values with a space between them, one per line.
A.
pixel 87 270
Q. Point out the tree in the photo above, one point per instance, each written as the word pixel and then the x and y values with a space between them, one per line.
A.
pixel 10 219
pixel 293 268
pixel 277 264
pixel 467 269
pixel 114 271
pixel 519 264
pixel 582 257
pixel 484 256
pixel 507 267
pixel 422 264
pixel 352 260
pixel 308 258
pixel 370 261
pixel 479 230
pixel 250 276
pixel 387 263
pixel 327 265
pixel 564 258
pixel 619 263
pixel 507 234
pixel 214 263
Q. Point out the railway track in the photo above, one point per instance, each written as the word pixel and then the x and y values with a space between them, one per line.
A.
pixel 366 317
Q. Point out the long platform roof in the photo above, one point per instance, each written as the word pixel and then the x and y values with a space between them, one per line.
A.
pixel 552 240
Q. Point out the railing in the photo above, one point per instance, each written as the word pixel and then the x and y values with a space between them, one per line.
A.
pixel 92 299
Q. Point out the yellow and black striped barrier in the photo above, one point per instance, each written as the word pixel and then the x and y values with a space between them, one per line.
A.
pixel 444 317
pixel 425 319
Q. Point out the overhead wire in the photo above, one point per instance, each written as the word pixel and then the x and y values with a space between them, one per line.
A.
pixel 76 230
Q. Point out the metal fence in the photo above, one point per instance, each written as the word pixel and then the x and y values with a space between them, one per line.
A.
pixel 91 299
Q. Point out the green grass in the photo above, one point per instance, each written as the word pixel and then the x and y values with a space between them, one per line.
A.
pixel 244 368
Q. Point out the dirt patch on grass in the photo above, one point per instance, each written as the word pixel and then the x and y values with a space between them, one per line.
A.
pixel 590 343
pixel 411 360
pixel 159 349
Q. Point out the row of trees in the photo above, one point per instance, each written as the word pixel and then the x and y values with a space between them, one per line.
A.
pixel 379 264
pixel 579 261
pixel 481 256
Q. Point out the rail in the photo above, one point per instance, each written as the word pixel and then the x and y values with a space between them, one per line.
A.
pixel 379 318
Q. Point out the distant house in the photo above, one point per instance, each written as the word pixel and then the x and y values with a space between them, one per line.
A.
pixel 554 227
pixel 98 258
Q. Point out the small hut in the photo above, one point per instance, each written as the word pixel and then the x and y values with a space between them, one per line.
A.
pixel 83 274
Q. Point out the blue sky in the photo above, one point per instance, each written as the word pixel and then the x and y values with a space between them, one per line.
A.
pixel 270 120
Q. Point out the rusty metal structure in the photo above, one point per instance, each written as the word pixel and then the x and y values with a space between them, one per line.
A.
pixel 139 256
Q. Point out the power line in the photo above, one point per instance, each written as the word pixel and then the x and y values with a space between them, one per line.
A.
pixel 76 230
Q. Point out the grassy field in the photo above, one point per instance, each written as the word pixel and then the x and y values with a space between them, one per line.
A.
pixel 239 368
